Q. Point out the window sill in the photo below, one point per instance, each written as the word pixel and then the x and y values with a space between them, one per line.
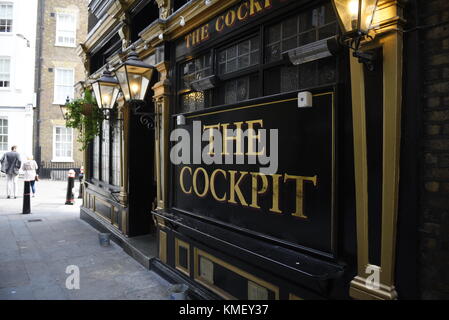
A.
pixel 64 45
pixel 64 160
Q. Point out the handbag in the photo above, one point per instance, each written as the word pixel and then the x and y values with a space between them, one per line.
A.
pixel 37 178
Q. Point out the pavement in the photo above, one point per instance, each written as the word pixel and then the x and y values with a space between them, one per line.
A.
pixel 40 254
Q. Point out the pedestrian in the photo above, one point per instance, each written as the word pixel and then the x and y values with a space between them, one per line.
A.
pixel 10 164
pixel 29 167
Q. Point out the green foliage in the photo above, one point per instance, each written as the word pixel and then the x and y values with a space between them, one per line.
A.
pixel 87 124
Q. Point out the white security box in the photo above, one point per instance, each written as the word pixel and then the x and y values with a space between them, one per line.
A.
pixel 305 99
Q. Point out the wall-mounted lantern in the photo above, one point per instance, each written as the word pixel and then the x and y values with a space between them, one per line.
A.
pixel 356 18
pixel 134 77
pixel 64 109
pixel 106 90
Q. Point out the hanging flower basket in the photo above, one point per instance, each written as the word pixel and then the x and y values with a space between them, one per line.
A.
pixel 84 115
pixel 87 109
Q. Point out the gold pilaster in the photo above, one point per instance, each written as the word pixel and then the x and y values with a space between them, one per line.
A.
pixel 124 155
pixel 389 37
pixel 162 110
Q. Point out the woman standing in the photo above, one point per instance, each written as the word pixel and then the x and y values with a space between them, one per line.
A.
pixel 29 167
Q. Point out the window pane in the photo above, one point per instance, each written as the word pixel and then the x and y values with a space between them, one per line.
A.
pixel 105 152
pixel 3 134
pixel 65 29
pixel 116 170
pixel 96 158
pixel 5 65
pixel 6 17
pixel 63 85
pixel 310 26
pixel 240 56
pixel 63 142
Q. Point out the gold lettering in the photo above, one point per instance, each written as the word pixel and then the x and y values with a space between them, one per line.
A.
pixel 275 207
pixel 254 7
pixel 219 25
pixel 196 37
pixel 205 32
pixel 230 18
pixel 211 137
pixel 235 188
pixel 212 185
pixel 255 188
pixel 241 16
pixel 268 4
pixel 181 180
pixel 252 137
pixel 237 138
pixel 300 192
pixel 187 37
pixel 206 182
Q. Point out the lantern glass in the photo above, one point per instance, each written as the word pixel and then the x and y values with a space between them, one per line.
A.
pixel 134 81
pixel 356 16
pixel 106 90
pixel 106 94
pixel 65 109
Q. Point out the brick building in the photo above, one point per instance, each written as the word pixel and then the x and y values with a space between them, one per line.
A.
pixel 62 25
pixel 433 97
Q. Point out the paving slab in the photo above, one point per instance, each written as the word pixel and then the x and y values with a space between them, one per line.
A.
pixel 35 255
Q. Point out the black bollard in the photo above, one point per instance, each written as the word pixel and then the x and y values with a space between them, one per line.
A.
pixel 81 177
pixel 26 198
pixel 70 197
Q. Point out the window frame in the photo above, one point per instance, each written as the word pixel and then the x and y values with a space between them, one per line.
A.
pixel 261 69
pixel 5 118
pixel 55 157
pixel 12 18
pixel 9 74
pixel 55 85
pixel 58 31
pixel 100 180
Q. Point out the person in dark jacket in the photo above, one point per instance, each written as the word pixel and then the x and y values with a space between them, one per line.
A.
pixel 10 164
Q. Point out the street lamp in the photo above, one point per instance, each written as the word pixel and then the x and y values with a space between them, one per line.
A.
pixel 106 90
pixel 134 77
pixel 64 109
pixel 356 18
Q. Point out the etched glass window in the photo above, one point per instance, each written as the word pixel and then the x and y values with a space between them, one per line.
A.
pixel 116 169
pixel 96 158
pixel 105 152
pixel 196 69
pixel 240 56
pixel 192 101
pixel 239 89
pixel 292 78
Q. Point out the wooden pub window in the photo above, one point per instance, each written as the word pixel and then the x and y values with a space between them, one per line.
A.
pixel 254 67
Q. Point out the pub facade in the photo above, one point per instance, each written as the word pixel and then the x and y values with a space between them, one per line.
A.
pixel 273 155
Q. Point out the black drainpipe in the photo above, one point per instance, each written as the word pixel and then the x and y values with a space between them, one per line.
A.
pixel 38 79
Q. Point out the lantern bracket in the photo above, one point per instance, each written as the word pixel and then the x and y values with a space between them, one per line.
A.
pixel 367 57
pixel 146 119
